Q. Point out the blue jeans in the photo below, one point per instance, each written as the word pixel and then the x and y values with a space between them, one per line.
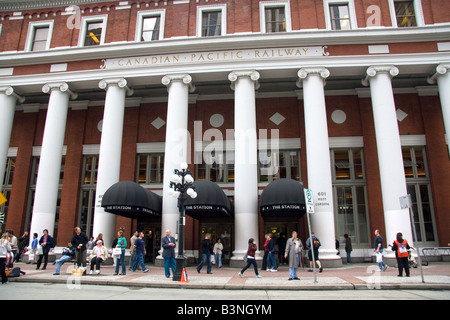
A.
pixel 271 263
pixel 293 271
pixel 61 261
pixel 121 260
pixel 218 260
pixel 169 263
pixel 206 257
pixel 139 261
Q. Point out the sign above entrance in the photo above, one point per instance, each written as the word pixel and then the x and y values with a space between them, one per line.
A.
pixel 214 56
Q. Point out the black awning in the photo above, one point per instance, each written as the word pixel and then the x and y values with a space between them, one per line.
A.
pixel 284 198
pixel 129 199
pixel 211 201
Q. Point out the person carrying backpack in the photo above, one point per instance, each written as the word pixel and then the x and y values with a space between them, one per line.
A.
pixel 313 248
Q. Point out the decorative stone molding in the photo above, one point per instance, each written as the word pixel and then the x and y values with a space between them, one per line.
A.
pixel 9 91
pixel 61 86
pixel 303 73
pixel 374 70
pixel 441 70
pixel 120 82
pixel 185 78
pixel 252 74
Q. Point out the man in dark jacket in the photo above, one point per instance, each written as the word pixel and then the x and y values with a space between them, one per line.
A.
pixel 168 244
pixel 207 250
pixel 79 241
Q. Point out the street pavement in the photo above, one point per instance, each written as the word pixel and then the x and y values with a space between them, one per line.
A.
pixel 347 277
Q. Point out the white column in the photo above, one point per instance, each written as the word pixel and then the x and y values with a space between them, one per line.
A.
pixel 244 84
pixel 177 139
pixel 318 160
pixel 443 81
pixel 390 157
pixel 46 195
pixel 110 153
pixel 8 101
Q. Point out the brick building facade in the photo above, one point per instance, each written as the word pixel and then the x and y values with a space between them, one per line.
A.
pixel 355 91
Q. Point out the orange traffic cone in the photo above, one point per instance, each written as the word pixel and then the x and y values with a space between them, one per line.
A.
pixel 183 277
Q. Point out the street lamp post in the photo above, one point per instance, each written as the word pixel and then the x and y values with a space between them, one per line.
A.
pixel 181 186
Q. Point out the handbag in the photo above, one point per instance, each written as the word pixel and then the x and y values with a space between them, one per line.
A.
pixel 246 257
pixel 116 252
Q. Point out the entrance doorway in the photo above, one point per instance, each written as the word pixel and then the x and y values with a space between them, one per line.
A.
pixel 152 240
pixel 222 231
pixel 281 231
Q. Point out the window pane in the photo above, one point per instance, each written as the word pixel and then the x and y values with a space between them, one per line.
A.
pixel 420 164
pixel 340 17
pixel 93 33
pixel 150 28
pixel 408 163
pixel 404 11
pixel 341 164
pixel 275 19
pixel 427 213
pixel 357 164
pixel 212 24
pixel 40 34
pixel 295 167
pixel 40 39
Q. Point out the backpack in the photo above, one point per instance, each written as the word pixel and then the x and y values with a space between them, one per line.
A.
pixel 13 272
pixel 316 243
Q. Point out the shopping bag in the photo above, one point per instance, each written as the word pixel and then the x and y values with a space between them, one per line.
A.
pixel 116 252
pixel 379 257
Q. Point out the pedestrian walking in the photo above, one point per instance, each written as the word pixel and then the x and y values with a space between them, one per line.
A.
pixel 401 247
pixel 348 248
pixel 122 244
pixel 139 245
pixel 67 254
pixel 99 254
pixel 207 251
pixel 5 249
pixel 313 248
pixel 250 257
pixel 378 249
pixel 132 250
pixel 79 242
pixel 271 263
pixel 168 244
pixel 266 252
pixel 218 249
pixel 47 243
pixel 293 250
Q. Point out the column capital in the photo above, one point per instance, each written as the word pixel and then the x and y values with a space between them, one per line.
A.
pixel 120 82
pixel 252 74
pixel 9 91
pixel 61 86
pixel 374 70
pixel 183 77
pixel 303 73
pixel 441 70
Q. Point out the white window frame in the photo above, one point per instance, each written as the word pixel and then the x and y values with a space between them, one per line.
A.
pixel 146 14
pixel 216 7
pixel 351 11
pixel 32 26
pixel 84 23
pixel 274 4
pixel 418 11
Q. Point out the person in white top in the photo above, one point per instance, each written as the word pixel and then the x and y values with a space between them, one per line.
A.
pixel 5 251
pixel 218 248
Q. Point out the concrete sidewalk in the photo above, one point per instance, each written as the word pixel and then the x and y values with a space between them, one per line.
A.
pixel 348 277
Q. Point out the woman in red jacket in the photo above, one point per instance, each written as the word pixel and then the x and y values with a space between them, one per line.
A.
pixel 401 248
pixel 250 258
